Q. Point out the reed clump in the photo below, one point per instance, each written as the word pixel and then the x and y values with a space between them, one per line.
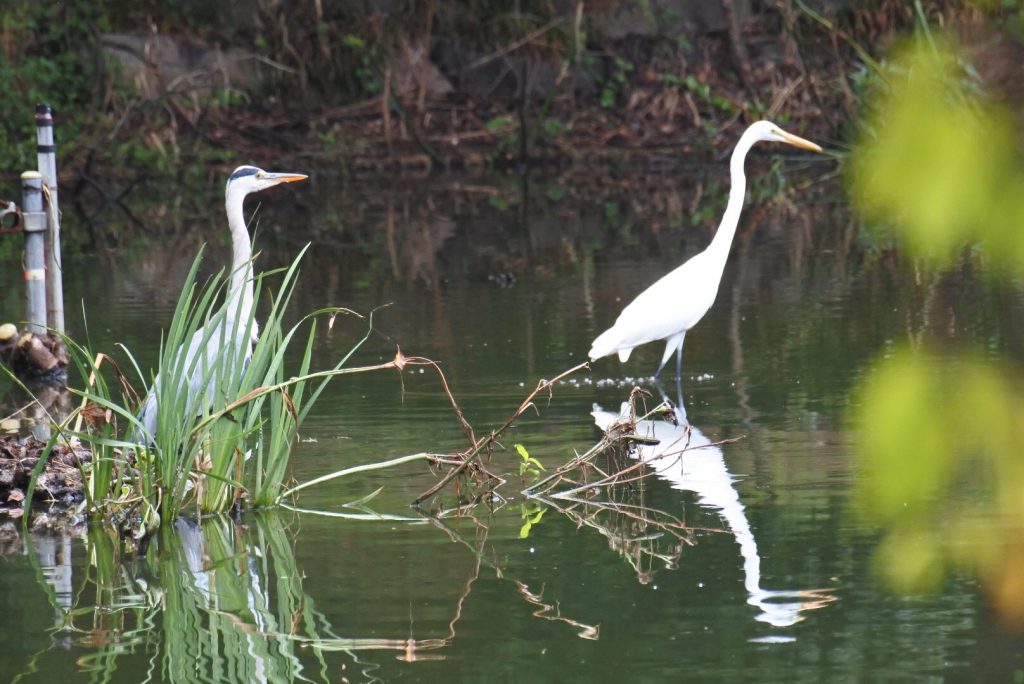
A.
pixel 226 422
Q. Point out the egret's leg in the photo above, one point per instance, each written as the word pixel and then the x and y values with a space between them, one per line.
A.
pixel 675 342
pixel 671 344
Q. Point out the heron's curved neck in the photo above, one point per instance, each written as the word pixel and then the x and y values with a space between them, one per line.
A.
pixel 719 247
pixel 241 250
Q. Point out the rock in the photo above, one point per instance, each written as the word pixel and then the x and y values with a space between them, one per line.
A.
pixel 158 64
pixel 413 72
pixel 38 357
pixel 61 480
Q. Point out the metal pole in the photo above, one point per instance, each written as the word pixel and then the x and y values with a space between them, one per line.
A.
pixel 46 154
pixel 35 262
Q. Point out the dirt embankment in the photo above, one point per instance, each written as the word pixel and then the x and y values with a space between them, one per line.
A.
pixel 59 486
pixel 564 83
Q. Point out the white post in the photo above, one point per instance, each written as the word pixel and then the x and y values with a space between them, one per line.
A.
pixel 46 154
pixel 35 258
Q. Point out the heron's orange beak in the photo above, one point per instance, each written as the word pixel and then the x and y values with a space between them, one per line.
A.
pixel 797 141
pixel 287 177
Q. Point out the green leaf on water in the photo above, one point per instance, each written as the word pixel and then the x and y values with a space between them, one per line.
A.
pixel 531 518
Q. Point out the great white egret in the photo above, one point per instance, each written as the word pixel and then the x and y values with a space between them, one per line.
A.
pixel 233 333
pixel 670 307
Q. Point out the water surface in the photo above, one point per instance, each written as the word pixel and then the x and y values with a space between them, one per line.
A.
pixel 766 573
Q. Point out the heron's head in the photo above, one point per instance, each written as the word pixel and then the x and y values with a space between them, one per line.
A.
pixel 247 179
pixel 766 130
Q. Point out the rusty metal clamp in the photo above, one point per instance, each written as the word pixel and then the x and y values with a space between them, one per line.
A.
pixel 7 208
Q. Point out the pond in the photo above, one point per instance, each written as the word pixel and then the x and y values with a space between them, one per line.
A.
pixel 747 562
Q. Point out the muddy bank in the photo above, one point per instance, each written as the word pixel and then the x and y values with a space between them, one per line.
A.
pixel 527 103
pixel 59 487
pixel 377 88
pixel 371 88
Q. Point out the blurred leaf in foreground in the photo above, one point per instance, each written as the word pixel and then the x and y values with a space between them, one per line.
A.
pixel 941 435
pixel 941 164
pixel 940 439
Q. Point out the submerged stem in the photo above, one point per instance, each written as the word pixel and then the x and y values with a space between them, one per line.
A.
pixel 422 456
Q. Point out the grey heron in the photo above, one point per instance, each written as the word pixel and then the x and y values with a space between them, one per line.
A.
pixel 233 334
pixel 675 303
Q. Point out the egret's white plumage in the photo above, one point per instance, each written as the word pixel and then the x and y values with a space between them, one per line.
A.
pixel 233 334
pixel 675 303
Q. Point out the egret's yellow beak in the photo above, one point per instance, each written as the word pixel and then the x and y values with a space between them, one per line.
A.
pixel 797 141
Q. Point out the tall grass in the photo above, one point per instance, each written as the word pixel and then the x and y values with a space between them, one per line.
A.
pixel 226 423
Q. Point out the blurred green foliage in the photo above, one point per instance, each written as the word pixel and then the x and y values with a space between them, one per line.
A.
pixel 939 162
pixel 42 59
pixel 940 433
pixel 940 438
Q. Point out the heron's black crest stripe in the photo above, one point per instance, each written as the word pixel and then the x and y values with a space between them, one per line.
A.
pixel 242 172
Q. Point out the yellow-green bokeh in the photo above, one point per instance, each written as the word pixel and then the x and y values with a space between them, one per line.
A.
pixel 938 162
pixel 940 435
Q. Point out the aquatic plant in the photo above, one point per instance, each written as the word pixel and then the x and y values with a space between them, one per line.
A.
pixel 211 450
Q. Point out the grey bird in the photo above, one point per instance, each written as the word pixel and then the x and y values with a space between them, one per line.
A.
pixel 232 333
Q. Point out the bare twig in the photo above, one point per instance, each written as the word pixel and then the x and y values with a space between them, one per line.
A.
pixel 360 468
pixel 401 361
pixel 485 443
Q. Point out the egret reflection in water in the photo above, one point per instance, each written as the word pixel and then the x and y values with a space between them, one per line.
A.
pixel 680 453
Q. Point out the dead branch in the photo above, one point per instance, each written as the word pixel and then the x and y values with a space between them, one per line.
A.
pixel 484 444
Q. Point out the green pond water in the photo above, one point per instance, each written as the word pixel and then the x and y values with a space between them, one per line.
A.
pixel 766 573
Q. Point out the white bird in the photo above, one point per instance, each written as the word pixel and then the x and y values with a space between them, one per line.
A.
pixel 670 307
pixel 233 333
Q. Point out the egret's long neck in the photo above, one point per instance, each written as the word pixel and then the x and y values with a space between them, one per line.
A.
pixel 241 253
pixel 719 247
